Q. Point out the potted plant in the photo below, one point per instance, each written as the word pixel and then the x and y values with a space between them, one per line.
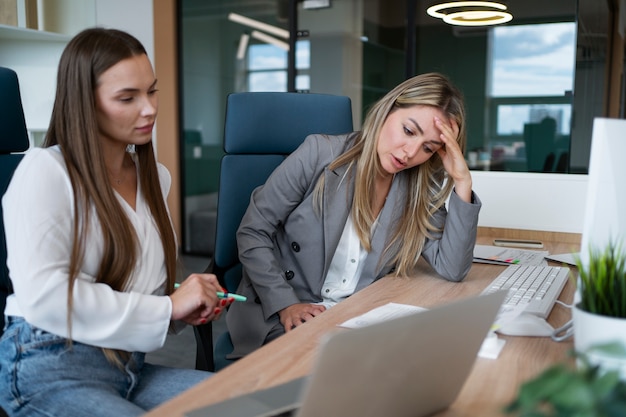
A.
pixel 599 317
pixel 585 390
pixel 603 281
pixel 596 386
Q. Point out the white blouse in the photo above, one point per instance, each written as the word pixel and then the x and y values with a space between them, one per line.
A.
pixel 38 218
pixel 345 267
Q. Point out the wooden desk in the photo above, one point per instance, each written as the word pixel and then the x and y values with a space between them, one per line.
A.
pixel 491 384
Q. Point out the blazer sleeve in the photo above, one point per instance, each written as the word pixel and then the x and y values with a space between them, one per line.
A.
pixel 451 253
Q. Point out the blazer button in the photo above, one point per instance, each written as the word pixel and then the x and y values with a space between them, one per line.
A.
pixel 295 246
pixel 289 275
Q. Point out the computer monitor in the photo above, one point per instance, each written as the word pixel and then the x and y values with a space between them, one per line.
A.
pixel 605 212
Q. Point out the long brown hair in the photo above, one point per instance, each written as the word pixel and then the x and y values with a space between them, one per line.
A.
pixel 73 126
pixel 427 188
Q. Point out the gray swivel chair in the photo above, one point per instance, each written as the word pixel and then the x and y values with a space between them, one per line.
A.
pixel 13 138
pixel 260 130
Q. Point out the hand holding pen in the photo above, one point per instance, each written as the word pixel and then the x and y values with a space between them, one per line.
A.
pixel 235 297
pixel 222 294
pixel 199 299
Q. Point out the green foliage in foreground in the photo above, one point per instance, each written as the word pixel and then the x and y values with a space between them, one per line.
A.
pixel 570 391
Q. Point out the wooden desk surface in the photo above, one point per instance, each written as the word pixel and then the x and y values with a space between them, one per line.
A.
pixel 491 384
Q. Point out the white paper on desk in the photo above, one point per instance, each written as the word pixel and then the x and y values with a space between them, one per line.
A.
pixel 566 258
pixel 380 314
pixel 507 256
pixel 491 347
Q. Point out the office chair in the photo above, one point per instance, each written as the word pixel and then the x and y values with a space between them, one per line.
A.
pixel 539 139
pixel 260 130
pixel 549 162
pixel 563 163
pixel 13 138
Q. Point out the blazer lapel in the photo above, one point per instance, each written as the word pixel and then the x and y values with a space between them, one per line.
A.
pixel 338 194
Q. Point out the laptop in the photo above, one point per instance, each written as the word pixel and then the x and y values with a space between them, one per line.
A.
pixel 409 366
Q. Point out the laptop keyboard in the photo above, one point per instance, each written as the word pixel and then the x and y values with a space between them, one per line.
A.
pixel 537 286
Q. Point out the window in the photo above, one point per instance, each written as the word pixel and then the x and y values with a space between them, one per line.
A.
pixel 533 60
pixel 531 79
pixel 266 67
pixel 532 75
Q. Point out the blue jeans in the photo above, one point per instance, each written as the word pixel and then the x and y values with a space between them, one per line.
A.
pixel 40 375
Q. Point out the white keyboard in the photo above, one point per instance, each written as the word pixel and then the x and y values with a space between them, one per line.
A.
pixel 536 286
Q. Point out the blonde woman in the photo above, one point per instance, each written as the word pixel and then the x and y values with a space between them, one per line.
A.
pixel 91 249
pixel 343 211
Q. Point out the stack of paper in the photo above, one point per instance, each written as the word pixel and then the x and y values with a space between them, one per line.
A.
pixel 506 256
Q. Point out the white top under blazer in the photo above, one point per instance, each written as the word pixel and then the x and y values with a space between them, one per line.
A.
pixel 38 218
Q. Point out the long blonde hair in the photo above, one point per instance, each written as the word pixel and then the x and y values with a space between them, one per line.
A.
pixel 74 127
pixel 427 189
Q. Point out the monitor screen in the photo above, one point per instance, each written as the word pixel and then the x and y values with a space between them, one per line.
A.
pixel 605 212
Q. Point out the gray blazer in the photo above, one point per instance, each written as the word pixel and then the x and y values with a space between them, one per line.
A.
pixel 286 246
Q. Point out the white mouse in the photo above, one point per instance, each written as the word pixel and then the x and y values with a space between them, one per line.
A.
pixel 526 325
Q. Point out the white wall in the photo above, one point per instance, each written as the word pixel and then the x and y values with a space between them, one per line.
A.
pixel 531 201
pixel 135 17
pixel 65 16
pixel 34 55
pixel 35 60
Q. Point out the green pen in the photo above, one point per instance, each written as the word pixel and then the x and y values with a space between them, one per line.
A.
pixel 221 294
pixel 236 297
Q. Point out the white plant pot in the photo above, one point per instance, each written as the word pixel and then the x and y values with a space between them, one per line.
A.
pixel 592 330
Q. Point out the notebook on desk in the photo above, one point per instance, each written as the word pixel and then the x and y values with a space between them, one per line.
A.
pixel 410 366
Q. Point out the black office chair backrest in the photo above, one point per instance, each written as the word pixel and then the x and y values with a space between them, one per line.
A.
pixel 562 164
pixel 260 130
pixel 13 138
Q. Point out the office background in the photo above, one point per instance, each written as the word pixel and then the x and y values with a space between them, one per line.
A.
pixel 356 48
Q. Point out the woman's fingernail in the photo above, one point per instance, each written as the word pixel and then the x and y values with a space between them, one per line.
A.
pixel 231 300
pixel 217 310
pixel 223 302
pixel 202 321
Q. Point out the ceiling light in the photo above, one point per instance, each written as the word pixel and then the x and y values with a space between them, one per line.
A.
pixel 471 13
pixel 315 4
pixel 243 46
pixel 269 39
pixel 246 21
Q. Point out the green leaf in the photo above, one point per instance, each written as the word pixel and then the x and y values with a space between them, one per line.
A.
pixel 604 385
pixel 547 384
pixel 576 396
pixel 614 349
pixel 603 280
pixel 562 391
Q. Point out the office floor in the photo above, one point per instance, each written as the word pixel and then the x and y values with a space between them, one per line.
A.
pixel 179 350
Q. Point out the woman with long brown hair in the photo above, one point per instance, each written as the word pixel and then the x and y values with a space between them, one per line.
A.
pixel 91 250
